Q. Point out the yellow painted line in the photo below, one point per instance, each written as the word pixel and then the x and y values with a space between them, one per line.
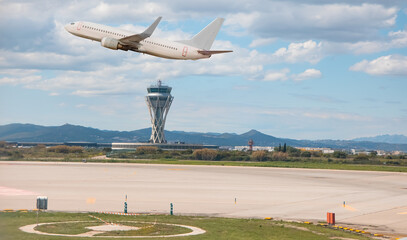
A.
pixel 268 218
pixel 402 213
pixel 134 172
pixel 347 207
pixel 90 201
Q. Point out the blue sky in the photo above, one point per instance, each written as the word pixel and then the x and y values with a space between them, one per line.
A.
pixel 300 69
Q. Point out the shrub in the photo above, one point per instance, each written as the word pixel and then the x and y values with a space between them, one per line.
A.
pixel 65 149
pixel 316 153
pixel 361 159
pixel 146 150
pixel 306 154
pixel 5 153
pixel 259 156
pixel 40 147
pixel 107 149
pixel 293 152
pixel 3 144
pixel 279 156
pixel 339 154
pixel 205 154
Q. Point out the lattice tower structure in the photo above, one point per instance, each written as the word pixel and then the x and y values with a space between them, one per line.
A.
pixel 158 100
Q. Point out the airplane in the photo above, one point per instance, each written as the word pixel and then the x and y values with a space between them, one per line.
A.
pixel 114 38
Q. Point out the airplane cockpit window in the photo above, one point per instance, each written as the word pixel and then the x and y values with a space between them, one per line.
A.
pixel 72 23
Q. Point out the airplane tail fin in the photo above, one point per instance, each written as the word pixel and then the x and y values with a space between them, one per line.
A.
pixel 205 38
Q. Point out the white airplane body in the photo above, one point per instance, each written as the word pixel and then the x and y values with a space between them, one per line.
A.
pixel 114 38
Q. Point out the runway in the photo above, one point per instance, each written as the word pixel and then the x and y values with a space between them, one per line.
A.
pixel 371 198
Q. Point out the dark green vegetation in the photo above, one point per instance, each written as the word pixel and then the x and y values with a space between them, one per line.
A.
pixel 216 228
pixel 287 157
pixel 9 151
pixel 69 133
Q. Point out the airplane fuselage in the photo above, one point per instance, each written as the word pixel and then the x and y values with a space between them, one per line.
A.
pixel 150 45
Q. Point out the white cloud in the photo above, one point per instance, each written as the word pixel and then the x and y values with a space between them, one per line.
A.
pixel 307 74
pixel 308 51
pixel 334 22
pixel 261 42
pixel 393 40
pixel 124 72
pixel 277 75
pixel 112 11
pixel 283 75
pixel 395 65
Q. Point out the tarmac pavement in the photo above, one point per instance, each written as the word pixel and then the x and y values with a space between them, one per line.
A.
pixel 377 200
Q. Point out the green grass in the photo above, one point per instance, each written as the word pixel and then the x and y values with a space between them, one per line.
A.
pixel 216 228
pixel 311 163
pixel 148 230
pixel 282 164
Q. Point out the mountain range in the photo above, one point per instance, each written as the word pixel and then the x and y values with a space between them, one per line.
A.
pixel 398 139
pixel 72 133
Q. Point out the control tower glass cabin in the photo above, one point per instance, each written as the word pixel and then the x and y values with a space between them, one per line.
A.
pixel 158 100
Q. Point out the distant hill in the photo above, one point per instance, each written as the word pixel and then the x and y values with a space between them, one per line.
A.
pixel 72 133
pixel 400 139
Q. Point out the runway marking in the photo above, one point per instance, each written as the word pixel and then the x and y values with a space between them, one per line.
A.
pixel 349 208
pixel 31 229
pixel 177 169
pixel 134 172
pixel 402 213
pixel 90 201
pixel 5 191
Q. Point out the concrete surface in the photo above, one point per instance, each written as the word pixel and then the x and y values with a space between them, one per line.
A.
pixel 374 199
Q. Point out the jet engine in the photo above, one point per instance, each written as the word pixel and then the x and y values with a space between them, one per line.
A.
pixel 112 43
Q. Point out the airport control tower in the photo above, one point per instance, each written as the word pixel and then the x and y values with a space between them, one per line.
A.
pixel 158 100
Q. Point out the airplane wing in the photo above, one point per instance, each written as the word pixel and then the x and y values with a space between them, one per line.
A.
pixel 133 40
pixel 207 52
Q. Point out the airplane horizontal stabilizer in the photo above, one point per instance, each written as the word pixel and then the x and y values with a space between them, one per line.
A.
pixel 207 52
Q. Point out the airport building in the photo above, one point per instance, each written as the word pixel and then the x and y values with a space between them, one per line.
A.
pixel 159 101
pixel 163 146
